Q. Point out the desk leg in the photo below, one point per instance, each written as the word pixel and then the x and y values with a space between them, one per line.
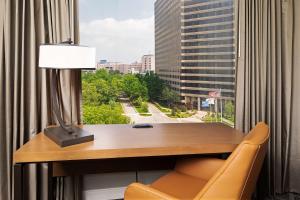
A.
pixel 18 182
pixel 50 181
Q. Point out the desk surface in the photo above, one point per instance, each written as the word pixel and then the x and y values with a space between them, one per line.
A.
pixel 123 141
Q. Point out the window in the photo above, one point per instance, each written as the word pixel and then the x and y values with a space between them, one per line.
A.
pixel 159 61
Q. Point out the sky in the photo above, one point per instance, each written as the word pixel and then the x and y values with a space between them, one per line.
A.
pixel 121 30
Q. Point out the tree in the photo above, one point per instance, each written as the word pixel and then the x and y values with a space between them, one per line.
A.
pixel 90 95
pixel 229 110
pixel 116 85
pixel 103 74
pixel 100 91
pixel 134 88
pixel 169 96
pixel 104 114
pixel 138 102
pixel 154 84
pixel 101 87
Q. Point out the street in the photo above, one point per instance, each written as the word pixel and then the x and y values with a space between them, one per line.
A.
pixel 157 116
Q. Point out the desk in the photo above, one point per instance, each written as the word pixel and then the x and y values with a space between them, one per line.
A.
pixel 124 143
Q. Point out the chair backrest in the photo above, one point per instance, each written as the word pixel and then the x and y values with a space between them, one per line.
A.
pixel 236 179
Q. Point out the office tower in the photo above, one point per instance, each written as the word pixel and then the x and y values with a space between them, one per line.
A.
pixel 148 63
pixel 194 47
pixel 168 41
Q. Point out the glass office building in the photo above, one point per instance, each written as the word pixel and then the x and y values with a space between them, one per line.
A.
pixel 195 47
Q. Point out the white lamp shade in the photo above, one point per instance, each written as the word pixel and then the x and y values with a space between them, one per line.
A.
pixel 67 57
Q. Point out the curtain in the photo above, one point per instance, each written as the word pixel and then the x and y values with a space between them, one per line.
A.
pixel 268 72
pixel 25 103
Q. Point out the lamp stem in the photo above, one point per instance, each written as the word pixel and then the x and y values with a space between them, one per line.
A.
pixel 56 110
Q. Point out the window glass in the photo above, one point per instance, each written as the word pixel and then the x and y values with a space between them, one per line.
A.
pixel 159 61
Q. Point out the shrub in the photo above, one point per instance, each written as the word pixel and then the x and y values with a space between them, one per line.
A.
pixel 138 102
pixel 104 114
pixel 175 111
pixel 182 108
pixel 144 107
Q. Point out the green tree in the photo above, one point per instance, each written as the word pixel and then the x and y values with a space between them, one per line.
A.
pixel 104 114
pixel 154 84
pixel 138 102
pixel 169 96
pixel 229 110
pixel 101 87
pixel 103 74
pixel 134 88
pixel 87 76
pixel 116 86
pixel 90 95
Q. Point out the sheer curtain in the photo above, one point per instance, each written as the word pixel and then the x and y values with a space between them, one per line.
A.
pixel 25 103
pixel 267 90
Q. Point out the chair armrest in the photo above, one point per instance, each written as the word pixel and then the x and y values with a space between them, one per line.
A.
pixel 137 191
pixel 203 168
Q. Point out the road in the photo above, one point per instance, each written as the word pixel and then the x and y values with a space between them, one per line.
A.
pixel 157 116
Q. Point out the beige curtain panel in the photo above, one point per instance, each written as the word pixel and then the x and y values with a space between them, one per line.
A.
pixel 267 90
pixel 25 103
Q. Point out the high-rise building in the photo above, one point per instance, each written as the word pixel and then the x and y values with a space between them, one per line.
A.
pixel 133 68
pixel 194 47
pixel 148 63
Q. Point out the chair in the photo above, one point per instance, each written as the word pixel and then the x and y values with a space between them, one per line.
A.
pixel 211 178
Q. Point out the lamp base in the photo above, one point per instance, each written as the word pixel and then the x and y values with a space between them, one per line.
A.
pixel 63 138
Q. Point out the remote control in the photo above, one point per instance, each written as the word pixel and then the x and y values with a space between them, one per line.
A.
pixel 142 126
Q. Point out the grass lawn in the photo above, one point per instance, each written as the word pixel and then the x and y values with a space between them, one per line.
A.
pixel 179 114
pixel 213 118
pixel 209 118
pixel 142 111
pixel 162 108
pixel 182 114
pixel 145 114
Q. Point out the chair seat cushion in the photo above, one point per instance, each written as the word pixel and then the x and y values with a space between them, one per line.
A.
pixel 179 185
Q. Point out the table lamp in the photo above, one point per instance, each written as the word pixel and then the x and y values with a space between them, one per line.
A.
pixel 61 57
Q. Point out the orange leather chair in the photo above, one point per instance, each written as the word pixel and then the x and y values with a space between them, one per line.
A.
pixel 211 178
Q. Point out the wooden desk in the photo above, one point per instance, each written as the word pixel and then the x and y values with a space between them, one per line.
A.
pixel 125 143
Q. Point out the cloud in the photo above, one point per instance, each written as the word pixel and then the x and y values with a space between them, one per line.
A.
pixel 119 40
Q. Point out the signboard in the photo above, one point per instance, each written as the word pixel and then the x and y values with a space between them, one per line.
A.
pixel 208 102
pixel 205 104
pixel 211 101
